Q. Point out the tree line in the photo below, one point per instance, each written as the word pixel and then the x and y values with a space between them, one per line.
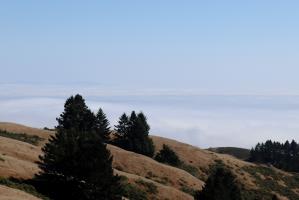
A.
pixel 281 155
pixel 76 164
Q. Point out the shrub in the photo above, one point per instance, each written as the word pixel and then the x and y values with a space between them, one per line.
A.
pixel 133 192
pixel 168 156
pixel 149 187
pixel 221 184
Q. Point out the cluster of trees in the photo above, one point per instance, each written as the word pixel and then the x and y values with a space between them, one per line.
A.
pixel 281 155
pixel 221 184
pixel 132 134
pixel 76 163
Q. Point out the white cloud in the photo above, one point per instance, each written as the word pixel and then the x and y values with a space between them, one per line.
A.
pixel 200 120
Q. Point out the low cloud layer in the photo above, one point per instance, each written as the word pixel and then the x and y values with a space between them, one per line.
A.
pixel 202 120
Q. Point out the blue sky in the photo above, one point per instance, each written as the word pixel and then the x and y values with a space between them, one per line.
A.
pixel 215 46
pixel 165 58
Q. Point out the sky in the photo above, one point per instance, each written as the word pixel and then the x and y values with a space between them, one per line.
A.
pixel 112 51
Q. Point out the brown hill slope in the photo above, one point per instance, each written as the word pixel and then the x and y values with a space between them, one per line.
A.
pixel 7 193
pixel 18 128
pixel 17 159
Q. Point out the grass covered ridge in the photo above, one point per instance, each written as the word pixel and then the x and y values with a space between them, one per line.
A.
pixel 31 139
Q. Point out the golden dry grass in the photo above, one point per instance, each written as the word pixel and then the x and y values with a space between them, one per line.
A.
pixel 18 160
pixel 7 193
pixel 17 128
pixel 164 192
pixel 140 165
pixel 20 157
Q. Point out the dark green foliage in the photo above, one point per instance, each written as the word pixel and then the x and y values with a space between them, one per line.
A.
pixel 31 139
pixel 102 125
pixel 269 180
pixel 283 156
pixel 133 134
pixel 191 170
pixel 76 163
pixel 133 192
pixel 168 156
pixel 20 185
pixel 188 190
pixel 123 126
pixel 149 187
pixel 76 116
pixel 221 184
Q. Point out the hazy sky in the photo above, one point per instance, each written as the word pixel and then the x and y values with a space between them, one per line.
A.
pixel 162 57
pixel 215 46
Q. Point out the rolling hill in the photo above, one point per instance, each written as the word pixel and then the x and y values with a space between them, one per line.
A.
pixel 145 175
pixel 239 153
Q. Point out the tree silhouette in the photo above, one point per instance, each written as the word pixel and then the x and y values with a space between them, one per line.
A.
pixel 167 155
pixel 75 163
pixel 133 134
pixel 284 156
pixel 102 125
pixel 221 184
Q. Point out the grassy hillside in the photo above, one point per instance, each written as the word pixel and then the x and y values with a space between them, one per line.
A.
pixel 239 153
pixel 145 178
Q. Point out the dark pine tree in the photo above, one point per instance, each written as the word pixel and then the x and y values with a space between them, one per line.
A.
pixel 76 163
pixel 76 115
pixel 122 130
pixel 133 134
pixel 102 125
pixel 283 156
pixel 139 132
pixel 168 156
pixel 221 184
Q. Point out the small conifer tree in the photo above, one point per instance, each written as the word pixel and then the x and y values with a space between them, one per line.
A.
pixel 102 125
pixel 168 156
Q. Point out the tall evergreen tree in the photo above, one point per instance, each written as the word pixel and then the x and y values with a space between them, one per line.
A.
pixel 102 125
pixel 76 115
pixel 221 184
pixel 75 163
pixel 133 134
pixel 123 125
pixel 122 129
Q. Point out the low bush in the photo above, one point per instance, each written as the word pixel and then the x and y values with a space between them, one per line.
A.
pixel 149 187
pixel 20 185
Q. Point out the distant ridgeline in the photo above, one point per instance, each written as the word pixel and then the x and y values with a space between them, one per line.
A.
pixel 281 155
